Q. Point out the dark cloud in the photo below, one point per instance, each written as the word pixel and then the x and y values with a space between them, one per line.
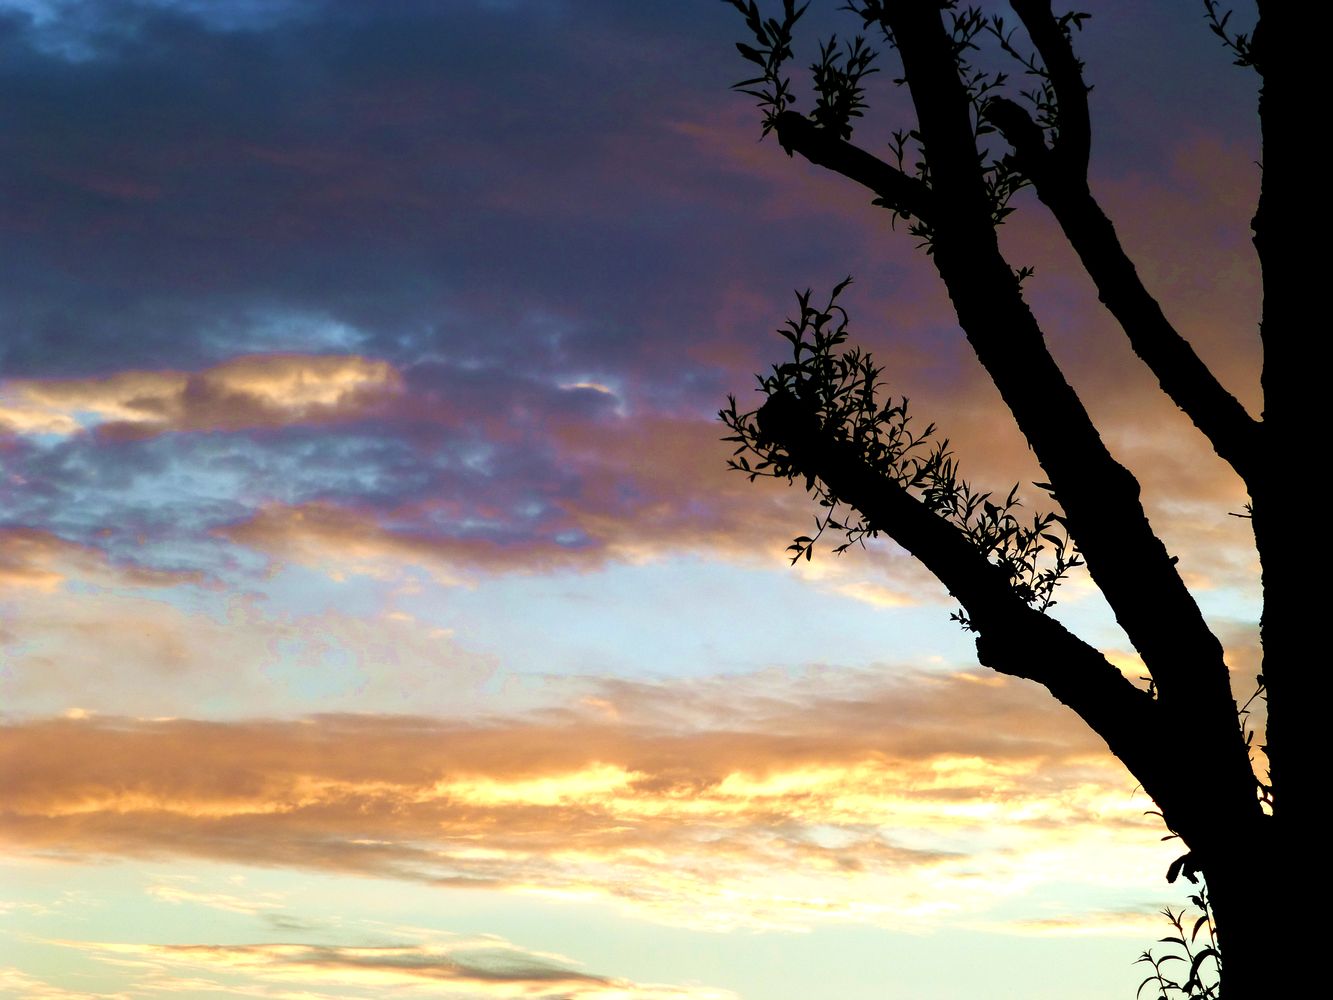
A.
pixel 406 169
pixel 516 206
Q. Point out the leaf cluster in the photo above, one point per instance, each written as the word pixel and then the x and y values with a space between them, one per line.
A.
pixel 1042 96
pixel 839 92
pixel 843 389
pixel 839 95
pixel 836 75
pixel 771 88
pixel 1240 44
pixel 966 25
pixel 1203 979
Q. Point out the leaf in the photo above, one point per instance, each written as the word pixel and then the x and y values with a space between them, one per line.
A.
pixel 1173 872
pixel 752 54
pixel 1198 960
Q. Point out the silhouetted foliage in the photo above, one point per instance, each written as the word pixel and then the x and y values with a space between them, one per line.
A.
pixel 1201 959
pixel 826 420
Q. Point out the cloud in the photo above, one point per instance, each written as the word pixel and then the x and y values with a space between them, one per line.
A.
pixel 627 491
pixel 172 891
pixel 39 560
pixel 451 967
pixel 271 390
pixel 99 651
pixel 887 801
pixel 1143 921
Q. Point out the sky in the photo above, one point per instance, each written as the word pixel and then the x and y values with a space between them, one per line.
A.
pixel 377 612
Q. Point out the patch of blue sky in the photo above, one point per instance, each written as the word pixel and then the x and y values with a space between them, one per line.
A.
pixel 177 482
pixel 279 330
pixel 1231 603
pixel 45 440
pixel 154 475
pixel 86 419
pixel 684 617
pixel 1229 610
pixel 301 591
pixel 313 673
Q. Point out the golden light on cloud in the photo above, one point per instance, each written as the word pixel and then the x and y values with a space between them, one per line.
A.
pixel 885 823
pixel 263 390
pixel 877 595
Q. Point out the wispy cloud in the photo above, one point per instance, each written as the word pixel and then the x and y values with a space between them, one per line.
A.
pixel 18 983
pixel 179 891
pixel 95 650
pixel 1145 922
pixel 447 967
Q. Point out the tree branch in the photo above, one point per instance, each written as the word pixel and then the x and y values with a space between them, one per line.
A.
pixel 1066 76
pixel 1100 497
pixel 1014 638
pixel 1062 185
pixel 906 195
pixel 1286 53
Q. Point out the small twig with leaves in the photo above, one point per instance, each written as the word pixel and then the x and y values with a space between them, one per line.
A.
pixel 1205 965
pixel 774 38
pixel 1240 44
pixel 1260 694
pixel 1001 178
pixel 842 388
pixel 1043 96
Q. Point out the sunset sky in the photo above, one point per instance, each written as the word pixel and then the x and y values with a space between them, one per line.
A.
pixel 377 614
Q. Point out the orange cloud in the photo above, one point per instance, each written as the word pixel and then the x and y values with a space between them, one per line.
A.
pixel 261 390
pixel 883 802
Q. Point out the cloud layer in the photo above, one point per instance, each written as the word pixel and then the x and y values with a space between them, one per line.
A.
pixel 887 801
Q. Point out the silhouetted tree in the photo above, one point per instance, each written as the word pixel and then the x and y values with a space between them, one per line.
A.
pixel 824 421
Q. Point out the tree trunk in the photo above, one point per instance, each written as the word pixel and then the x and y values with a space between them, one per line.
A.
pixel 1253 927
